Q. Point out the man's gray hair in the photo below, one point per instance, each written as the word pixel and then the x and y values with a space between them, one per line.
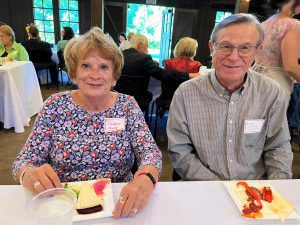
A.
pixel 136 39
pixel 238 19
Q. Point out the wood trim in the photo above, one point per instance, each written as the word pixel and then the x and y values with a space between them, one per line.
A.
pixel 97 9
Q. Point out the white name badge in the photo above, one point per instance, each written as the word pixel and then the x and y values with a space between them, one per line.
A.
pixel 114 124
pixel 253 126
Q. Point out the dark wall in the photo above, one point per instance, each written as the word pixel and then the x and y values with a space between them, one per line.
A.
pixel 17 13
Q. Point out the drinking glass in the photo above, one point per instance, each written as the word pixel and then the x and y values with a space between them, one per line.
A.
pixel 53 207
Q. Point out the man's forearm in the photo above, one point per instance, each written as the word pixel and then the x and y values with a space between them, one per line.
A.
pixel 188 165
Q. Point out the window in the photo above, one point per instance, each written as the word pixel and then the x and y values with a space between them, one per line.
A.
pixel 221 15
pixel 43 19
pixel 69 15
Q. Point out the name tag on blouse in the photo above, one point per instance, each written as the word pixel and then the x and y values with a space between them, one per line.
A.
pixel 114 124
pixel 253 126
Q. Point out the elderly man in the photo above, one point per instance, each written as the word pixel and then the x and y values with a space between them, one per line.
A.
pixel 138 63
pixel 230 124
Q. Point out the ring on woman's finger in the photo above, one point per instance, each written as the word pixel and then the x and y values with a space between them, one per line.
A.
pixel 122 200
pixel 36 184
pixel 134 210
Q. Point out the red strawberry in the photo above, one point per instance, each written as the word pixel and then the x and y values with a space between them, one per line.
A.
pixel 99 186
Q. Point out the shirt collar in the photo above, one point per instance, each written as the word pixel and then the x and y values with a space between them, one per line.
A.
pixel 221 91
pixel 14 46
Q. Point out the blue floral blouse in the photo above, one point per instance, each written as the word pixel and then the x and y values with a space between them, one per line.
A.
pixel 77 146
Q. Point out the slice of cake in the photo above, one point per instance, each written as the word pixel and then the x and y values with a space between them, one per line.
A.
pixel 88 202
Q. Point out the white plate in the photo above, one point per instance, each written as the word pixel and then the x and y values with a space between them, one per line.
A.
pixel 237 194
pixel 107 208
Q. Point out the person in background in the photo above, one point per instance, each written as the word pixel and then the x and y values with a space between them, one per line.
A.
pixel 67 34
pixel 230 124
pixel 278 57
pixel 297 12
pixel 138 63
pixel 184 62
pixel 92 132
pixel 40 52
pixel 124 43
pixel 9 47
pixel 184 53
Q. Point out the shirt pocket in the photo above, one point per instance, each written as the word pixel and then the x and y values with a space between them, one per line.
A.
pixel 251 149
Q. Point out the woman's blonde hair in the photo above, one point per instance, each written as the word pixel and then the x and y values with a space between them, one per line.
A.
pixel 186 47
pixel 7 30
pixel 94 40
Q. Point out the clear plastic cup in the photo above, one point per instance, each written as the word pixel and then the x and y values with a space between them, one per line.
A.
pixel 2 60
pixel 53 207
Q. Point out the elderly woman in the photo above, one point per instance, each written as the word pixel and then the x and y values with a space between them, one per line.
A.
pixel 9 47
pixel 278 57
pixel 92 132
pixel 184 52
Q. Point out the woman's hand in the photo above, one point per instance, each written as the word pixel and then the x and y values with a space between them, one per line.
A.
pixel 38 179
pixel 134 196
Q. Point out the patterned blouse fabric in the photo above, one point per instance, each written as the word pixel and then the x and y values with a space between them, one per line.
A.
pixel 183 65
pixel 274 29
pixel 75 142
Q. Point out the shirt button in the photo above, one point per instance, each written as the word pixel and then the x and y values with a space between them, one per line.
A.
pixel 230 140
pixel 231 160
pixel 230 121
pixel 232 103
pixel 221 95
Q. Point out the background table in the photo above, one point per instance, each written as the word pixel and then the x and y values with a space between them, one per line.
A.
pixel 20 94
pixel 172 203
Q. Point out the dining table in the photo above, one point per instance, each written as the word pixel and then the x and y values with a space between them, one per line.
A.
pixel 20 94
pixel 171 203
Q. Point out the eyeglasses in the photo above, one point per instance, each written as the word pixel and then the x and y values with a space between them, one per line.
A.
pixel 243 50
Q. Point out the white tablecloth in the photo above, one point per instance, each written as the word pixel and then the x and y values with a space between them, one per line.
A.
pixel 172 203
pixel 20 94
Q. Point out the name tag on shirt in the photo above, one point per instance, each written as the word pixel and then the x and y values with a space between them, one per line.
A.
pixel 253 126
pixel 114 124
